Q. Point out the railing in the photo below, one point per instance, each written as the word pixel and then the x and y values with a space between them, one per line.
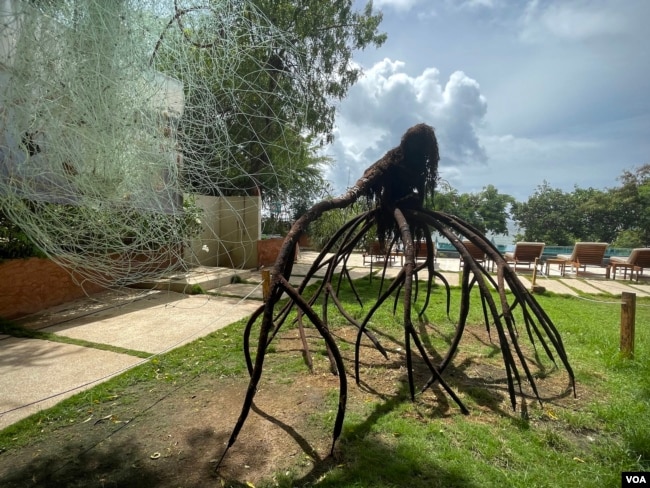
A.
pixel 549 251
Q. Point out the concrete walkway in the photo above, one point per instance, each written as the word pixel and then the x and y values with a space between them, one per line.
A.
pixel 36 374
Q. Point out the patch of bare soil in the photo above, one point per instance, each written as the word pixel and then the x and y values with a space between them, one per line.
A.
pixel 173 435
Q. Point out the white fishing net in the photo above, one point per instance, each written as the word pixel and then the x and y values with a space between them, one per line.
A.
pixel 113 114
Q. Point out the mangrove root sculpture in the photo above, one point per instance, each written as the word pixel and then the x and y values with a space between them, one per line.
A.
pixel 397 185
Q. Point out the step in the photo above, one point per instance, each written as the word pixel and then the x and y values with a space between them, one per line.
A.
pixel 206 277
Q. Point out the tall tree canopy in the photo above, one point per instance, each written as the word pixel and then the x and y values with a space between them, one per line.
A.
pixel 294 62
pixel 487 210
pixel 620 215
pixel 632 198
pixel 547 216
pixel 326 35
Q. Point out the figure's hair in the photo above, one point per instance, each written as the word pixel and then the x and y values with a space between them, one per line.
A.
pixel 404 176
pixel 408 171
pixel 419 149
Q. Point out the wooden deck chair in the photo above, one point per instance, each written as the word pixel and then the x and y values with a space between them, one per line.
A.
pixel 636 261
pixel 421 251
pixel 526 253
pixel 585 254
pixel 476 254
pixel 376 252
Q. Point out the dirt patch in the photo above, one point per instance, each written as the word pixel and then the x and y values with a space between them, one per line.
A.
pixel 173 435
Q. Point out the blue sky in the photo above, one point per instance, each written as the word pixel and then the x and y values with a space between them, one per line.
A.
pixel 518 91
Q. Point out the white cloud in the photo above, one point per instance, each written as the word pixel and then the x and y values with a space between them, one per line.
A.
pixel 399 5
pixel 566 81
pixel 580 63
pixel 475 4
pixel 572 21
pixel 388 100
pixel 424 9
pixel 519 164
pixel 425 15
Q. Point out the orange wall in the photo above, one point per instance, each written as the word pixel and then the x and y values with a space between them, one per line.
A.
pixel 267 251
pixel 31 285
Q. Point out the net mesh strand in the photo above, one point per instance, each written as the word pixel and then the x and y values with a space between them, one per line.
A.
pixel 112 113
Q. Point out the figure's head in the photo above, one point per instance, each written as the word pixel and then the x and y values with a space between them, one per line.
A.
pixel 419 164
pixel 408 172
pixel 420 149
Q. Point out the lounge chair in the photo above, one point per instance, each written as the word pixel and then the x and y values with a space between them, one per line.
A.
pixel 475 252
pixel 526 253
pixel 377 253
pixel 636 261
pixel 421 251
pixel 585 254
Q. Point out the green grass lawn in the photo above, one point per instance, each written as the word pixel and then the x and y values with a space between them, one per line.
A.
pixel 584 442
pixel 393 442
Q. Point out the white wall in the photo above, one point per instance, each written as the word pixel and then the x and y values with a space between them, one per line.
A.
pixel 231 228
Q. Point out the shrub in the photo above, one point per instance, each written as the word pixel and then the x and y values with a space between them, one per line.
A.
pixel 14 243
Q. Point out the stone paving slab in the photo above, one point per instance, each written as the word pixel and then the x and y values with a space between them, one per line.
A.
pixel 207 277
pixel 300 269
pixel 452 278
pixel 33 370
pixel 616 287
pixel 645 288
pixel 159 322
pixel 556 286
pixel 358 273
pixel 81 307
pixel 524 280
pixel 241 290
pixel 252 290
pixel 593 281
pixel 580 285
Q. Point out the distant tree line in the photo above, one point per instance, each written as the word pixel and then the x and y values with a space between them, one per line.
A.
pixel 487 210
pixel 618 215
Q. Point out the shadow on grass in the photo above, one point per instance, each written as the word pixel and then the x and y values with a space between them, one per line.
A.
pixel 124 463
pixel 364 459
pixel 477 374
pixel 71 467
